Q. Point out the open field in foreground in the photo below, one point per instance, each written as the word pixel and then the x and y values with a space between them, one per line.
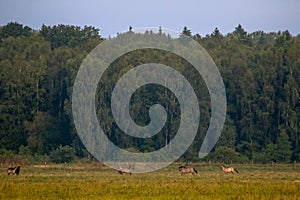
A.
pixel 93 181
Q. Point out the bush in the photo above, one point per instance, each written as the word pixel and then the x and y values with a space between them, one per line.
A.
pixel 62 154
pixel 226 155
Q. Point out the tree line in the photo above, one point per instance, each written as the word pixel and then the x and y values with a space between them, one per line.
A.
pixel 260 71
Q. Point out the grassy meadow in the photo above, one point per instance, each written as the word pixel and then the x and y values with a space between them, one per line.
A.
pixel 94 181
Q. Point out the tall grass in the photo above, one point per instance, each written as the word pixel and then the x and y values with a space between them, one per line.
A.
pixel 97 182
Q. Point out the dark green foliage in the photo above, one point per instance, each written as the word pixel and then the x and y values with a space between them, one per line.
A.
pixel 260 70
pixel 14 29
pixel 66 35
pixel 226 155
pixel 282 148
pixel 63 154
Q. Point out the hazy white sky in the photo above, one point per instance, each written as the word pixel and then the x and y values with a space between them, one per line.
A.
pixel 112 16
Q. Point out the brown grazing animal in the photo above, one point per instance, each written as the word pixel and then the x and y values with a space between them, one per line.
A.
pixel 229 169
pixel 125 171
pixel 13 170
pixel 185 170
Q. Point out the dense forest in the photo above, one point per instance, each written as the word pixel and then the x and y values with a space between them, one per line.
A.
pixel 261 73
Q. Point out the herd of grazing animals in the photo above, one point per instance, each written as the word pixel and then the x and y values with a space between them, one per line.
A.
pixel 183 170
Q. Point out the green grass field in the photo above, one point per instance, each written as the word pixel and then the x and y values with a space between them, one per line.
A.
pixel 93 181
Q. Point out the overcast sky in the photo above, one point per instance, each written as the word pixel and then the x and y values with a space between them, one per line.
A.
pixel 112 16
